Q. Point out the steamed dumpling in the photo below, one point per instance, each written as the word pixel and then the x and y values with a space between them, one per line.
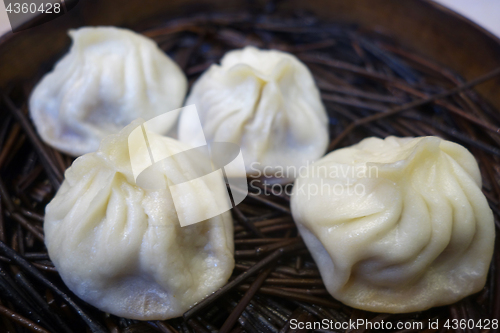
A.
pixel 121 248
pixel 396 225
pixel 110 77
pixel 266 101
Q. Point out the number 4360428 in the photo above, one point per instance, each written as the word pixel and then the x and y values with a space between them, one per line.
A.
pixel 455 324
pixel 26 7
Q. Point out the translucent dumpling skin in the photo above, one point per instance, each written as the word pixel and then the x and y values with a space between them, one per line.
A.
pixel 265 101
pixel 109 78
pixel 121 248
pixel 397 225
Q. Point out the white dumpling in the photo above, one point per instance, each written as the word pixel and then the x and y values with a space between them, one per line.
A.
pixel 110 77
pixel 266 101
pixel 396 225
pixel 121 248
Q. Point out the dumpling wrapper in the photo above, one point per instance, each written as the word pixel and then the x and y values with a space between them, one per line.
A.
pixel 121 248
pixel 110 77
pixel 265 101
pixel 396 225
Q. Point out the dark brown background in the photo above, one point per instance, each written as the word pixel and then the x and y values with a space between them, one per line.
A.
pixel 421 25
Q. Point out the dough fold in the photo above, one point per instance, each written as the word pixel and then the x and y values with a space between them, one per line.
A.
pixel 397 225
pixel 265 101
pixel 109 77
pixel 121 248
